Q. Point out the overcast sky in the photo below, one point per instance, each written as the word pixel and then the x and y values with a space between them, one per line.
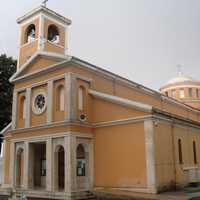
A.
pixel 143 40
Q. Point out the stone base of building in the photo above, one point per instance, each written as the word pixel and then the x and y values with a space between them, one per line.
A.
pixel 9 194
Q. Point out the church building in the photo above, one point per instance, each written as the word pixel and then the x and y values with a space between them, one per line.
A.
pixel 77 128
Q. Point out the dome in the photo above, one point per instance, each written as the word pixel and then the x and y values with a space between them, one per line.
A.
pixel 181 79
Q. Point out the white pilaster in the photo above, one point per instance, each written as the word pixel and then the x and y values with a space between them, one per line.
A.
pixel 14 110
pixel 28 105
pixel 26 165
pixel 67 96
pixel 91 164
pixel 50 102
pixel 12 164
pixel 150 155
pixel 4 144
pixel 41 40
pixel 73 95
pixel 66 40
pixel 70 164
pixel 67 164
pixel 49 163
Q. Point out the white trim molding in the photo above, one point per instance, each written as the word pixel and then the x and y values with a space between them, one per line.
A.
pixel 121 101
pixel 150 155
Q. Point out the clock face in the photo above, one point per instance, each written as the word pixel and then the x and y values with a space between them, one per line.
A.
pixel 39 103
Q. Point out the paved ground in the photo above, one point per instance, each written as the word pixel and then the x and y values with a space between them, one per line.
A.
pixel 125 195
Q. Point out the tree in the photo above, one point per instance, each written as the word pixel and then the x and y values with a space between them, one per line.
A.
pixel 7 69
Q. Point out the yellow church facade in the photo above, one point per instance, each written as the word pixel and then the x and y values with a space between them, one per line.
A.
pixel 77 128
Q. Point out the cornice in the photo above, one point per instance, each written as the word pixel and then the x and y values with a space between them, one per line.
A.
pixel 44 10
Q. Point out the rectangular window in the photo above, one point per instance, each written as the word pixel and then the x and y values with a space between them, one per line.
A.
pixel 194 152
pixel 180 156
pixel 181 93
pixel 190 92
pixel 174 93
pixel 80 98
pixel 197 93
pixel 166 93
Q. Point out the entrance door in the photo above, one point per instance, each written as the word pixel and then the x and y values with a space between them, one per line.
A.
pixel 61 168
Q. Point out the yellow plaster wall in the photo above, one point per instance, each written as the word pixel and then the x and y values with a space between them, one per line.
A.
pixel 87 107
pixel 27 51
pixel 60 48
pixel 119 156
pixel 39 64
pixel 168 169
pixel 57 114
pixel 104 111
pixel 106 86
pixel 24 29
pixel 164 156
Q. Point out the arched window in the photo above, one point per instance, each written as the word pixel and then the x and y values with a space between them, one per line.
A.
pixel 81 98
pixel 180 152
pixel 81 160
pixel 53 34
pixel 30 34
pixel 194 152
pixel 23 107
pixel 61 98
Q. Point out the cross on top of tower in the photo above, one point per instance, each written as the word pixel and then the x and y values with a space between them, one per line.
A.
pixel 44 3
pixel 179 69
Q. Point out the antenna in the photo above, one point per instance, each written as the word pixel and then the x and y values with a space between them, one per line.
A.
pixel 44 3
pixel 179 69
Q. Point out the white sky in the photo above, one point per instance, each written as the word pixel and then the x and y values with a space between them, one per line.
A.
pixel 143 40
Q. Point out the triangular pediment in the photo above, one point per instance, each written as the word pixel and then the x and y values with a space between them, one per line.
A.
pixel 38 62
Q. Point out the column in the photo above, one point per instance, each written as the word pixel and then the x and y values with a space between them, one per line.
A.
pixel 50 102
pixel 14 110
pixel 26 165
pixel 70 96
pixel 5 142
pixel 150 155
pixel 67 96
pixel 41 41
pixel 28 105
pixel 91 164
pixel 12 164
pixel 49 164
pixel 70 164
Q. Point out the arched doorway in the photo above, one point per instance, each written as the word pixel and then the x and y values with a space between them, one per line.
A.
pixel 82 166
pixel 60 168
pixel 81 161
pixel 20 167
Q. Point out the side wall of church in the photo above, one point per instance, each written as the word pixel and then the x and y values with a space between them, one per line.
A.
pixel 120 156
pixel 170 171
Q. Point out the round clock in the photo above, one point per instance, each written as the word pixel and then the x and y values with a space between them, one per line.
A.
pixel 39 103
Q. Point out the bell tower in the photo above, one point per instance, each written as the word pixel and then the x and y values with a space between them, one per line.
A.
pixel 44 30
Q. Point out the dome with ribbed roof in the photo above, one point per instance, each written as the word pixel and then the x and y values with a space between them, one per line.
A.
pixel 180 79
pixel 183 88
